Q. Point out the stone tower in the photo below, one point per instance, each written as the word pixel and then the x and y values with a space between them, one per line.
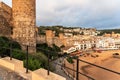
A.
pixel 62 39
pixel 24 22
pixel 49 37
pixel 61 36
pixel 5 20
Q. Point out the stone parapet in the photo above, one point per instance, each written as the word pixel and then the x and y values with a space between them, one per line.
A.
pixel 13 64
pixel 17 66
pixel 41 74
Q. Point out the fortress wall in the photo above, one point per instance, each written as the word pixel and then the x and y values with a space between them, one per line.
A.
pixel 6 11
pixel 5 19
pixel 24 22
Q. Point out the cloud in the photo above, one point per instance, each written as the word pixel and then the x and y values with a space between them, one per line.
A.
pixel 9 2
pixel 86 13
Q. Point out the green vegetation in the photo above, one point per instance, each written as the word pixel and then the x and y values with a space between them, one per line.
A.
pixel 109 31
pixel 70 60
pixel 41 29
pixel 36 61
pixel 57 29
pixel 56 48
pixel 76 33
pixel 3 43
pixel 62 46
pixel 33 64
pixel 52 51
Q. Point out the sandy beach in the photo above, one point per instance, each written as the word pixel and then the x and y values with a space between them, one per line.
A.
pixel 104 59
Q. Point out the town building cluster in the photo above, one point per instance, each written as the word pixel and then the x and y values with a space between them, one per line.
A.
pixel 84 42
pixel 81 31
pixel 95 43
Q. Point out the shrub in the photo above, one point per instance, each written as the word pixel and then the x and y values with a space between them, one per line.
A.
pixel 53 51
pixel 70 60
pixel 18 54
pixel 33 63
pixel 16 45
pixel 4 45
pixel 56 48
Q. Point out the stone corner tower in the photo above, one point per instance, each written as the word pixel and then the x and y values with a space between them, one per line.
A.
pixel 24 22
pixel 49 37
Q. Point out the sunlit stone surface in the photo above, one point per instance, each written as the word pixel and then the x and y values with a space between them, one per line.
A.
pixel 24 22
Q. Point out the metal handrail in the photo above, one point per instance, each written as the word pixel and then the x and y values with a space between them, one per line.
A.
pixel 100 67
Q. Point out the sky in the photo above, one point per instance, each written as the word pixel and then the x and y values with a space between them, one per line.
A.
pixel 100 14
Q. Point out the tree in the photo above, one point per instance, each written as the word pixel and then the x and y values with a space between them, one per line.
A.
pixel 70 60
pixel 4 46
pixel 82 33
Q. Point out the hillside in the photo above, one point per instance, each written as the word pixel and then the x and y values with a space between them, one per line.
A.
pixel 109 31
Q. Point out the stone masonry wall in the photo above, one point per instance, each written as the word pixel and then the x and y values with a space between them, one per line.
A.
pixel 5 19
pixel 41 39
pixel 6 74
pixel 49 37
pixel 6 11
pixel 24 22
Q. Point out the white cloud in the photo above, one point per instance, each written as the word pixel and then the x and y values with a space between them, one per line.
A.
pixel 9 2
pixel 98 13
